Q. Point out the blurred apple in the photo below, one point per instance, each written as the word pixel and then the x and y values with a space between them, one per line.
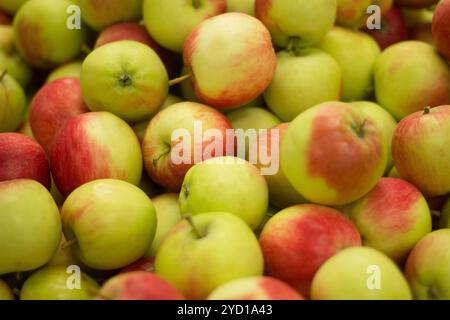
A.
pixel 244 6
pixel 441 28
pixel 11 6
pixel 13 103
pixel 68 70
pixel 5 292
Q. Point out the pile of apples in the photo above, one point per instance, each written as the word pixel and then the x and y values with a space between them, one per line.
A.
pixel 91 93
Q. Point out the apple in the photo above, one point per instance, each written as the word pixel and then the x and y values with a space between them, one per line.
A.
pixel 121 74
pixel 393 29
pixel 68 70
pixel 139 285
pixel 11 6
pixel 168 215
pixel 41 34
pixel 255 288
pixel 356 65
pixel 13 103
pixel 52 107
pixel 445 216
pixel 427 267
pixel 410 76
pixel 311 74
pixel 51 283
pixel 243 65
pixel 244 6
pixel 10 59
pixel 5 292
pixel 99 16
pixel 213 249
pixel 93 146
pixel 226 184
pixel 392 217
pixel 360 273
pixel 441 28
pixel 30 226
pixel 304 22
pixel 113 240
pixel 417 4
pixel 281 193
pixel 415 17
pixel 168 156
pixel 145 264
pixel 23 158
pixel 170 22
pixel 64 256
pixel 333 154
pixel 298 240
pixel 384 120
pixel 419 149
pixel 352 13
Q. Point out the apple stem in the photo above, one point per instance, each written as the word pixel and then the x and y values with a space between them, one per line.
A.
pixel 294 46
pixel 68 244
pixel 196 4
pixel 194 227
pixel 3 74
pixel 427 110
pixel 179 80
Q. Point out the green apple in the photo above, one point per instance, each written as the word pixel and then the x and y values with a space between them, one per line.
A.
pixel 225 184
pixel 41 34
pixel 124 73
pixel 170 22
pixel 360 273
pixel 30 226
pixel 13 103
pixel 356 65
pixel 445 216
pixel 410 76
pixel 333 154
pixel 111 223
pixel 54 283
pixel 427 268
pixel 168 214
pixel 392 217
pixel 11 6
pixel 311 74
pixel 303 21
pixel 384 120
pixel 71 69
pixel 211 250
pixel 5 292
pixel 244 6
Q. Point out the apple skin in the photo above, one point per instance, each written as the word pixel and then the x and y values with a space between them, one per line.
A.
pixel 244 6
pixel 114 240
pixel 406 82
pixel 30 231
pixel 23 158
pixel 419 149
pixel 427 267
pixel 41 35
pixel 240 70
pixel 352 13
pixel 281 193
pixel 138 285
pixel 333 154
pixel 345 276
pixel 255 288
pixel 298 240
pixel 441 28
pixel 13 104
pixel 417 4
pixel 313 74
pixel 159 149
pixel 5 292
pixel 445 215
pixel 68 70
pixel 384 120
pixel 392 218
pixel 226 250
pixel 50 283
pixel 307 21
pixel 170 22
pixel 93 146
pixel 11 6
pixel 356 65
pixel 52 107
pixel 121 74
pixel 109 12
pixel 225 184
pixel 168 215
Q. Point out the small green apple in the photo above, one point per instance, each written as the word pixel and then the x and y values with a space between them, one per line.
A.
pixel 360 273
pixel 244 6
pixel 111 223
pixel 54 283
pixel 13 103
pixel 71 69
pixel 211 250
pixel 5 292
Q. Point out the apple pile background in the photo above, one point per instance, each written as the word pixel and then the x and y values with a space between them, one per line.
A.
pixel 358 210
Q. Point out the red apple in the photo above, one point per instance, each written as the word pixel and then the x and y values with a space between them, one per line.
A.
pixel 441 28
pixel 138 285
pixel 94 146
pixel 54 104
pixel 299 239
pixel 23 158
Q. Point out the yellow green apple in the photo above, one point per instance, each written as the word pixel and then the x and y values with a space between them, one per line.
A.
pixel 13 103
